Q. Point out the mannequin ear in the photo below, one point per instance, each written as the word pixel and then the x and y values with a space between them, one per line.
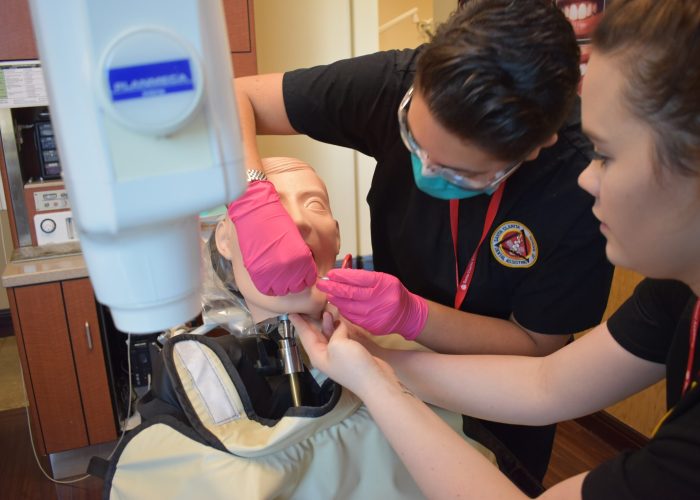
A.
pixel 224 238
pixel 337 238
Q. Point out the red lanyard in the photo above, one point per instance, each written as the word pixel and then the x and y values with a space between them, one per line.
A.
pixel 693 337
pixel 463 284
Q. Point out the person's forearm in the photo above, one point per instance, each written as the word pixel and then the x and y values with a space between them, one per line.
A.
pixel 451 331
pixel 246 118
pixel 261 110
pixel 443 465
pixel 585 376
pixel 467 384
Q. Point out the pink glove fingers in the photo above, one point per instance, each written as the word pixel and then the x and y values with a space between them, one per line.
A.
pixel 356 277
pixel 376 301
pixel 274 253
pixel 343 291
pixel 354 311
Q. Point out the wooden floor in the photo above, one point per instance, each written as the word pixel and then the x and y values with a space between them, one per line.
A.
pixel 20 476
pixel 575 450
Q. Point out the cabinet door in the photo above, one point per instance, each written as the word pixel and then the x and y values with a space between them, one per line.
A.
pixel 241 36
pixel 16 33
pixel 47 346
pixel 88 354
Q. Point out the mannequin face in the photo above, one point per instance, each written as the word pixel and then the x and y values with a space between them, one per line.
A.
pixel 304 196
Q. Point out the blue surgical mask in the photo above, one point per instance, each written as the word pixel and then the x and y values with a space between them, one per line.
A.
pixel 437 187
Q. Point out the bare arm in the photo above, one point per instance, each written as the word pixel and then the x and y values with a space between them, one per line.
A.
pixel 450 331
pixel 585 376
pixel 443 465
pixel 261 111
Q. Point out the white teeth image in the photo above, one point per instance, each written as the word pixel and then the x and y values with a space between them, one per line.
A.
pixel 573 13
pixel 582 11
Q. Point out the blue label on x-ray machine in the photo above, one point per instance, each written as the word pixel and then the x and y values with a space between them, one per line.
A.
pixel 149 80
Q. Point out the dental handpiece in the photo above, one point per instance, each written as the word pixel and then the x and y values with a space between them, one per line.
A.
pixel 291 358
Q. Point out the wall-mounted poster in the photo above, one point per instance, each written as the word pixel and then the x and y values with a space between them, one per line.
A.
pixel 583 16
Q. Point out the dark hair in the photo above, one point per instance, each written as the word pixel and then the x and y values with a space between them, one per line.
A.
pixel 658 45
pixel 221 265
pixel 502 74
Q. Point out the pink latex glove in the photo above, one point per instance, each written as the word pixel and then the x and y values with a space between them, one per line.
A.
pixel 274 253
pixel 376 301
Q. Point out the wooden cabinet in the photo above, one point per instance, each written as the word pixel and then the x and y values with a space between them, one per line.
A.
pixel 63 364
pixel 17 36
pixel 241 36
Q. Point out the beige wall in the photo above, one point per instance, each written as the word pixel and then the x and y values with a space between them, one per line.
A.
pixel 305 33
pixel 397 32
pixel 442 10
pixel 298 34
pixel 404 33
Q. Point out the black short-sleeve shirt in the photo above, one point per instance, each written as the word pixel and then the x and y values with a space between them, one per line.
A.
pixel 654 324
pixel 555 279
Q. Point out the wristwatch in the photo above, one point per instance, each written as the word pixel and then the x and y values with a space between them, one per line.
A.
pixel 255 175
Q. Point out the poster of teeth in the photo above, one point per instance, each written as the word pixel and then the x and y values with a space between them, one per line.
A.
pixel 583 16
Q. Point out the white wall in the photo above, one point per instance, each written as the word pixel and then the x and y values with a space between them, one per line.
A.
pixel 305 33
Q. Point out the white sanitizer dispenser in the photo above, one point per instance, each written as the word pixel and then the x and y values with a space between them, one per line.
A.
pixel 142 102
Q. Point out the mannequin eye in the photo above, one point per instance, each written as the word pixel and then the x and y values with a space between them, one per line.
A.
pixel 316 205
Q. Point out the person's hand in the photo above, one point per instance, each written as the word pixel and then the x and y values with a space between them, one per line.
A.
pixel 376 301
pixel 331 318
pixel 336 351
pixel 274 253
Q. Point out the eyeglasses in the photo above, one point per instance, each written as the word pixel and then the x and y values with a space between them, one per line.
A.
pixel 465 180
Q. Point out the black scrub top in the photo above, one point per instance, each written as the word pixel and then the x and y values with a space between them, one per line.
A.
pixel 654 324
pixel 555 282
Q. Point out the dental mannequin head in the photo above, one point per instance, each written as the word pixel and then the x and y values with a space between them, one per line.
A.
pixel 304 196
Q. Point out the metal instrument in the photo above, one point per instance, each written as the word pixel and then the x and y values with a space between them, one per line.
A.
pixel 291 358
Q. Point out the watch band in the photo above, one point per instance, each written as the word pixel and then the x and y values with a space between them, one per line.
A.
pixel 255 175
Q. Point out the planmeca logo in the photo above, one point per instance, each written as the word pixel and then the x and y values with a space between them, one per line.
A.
pixel 147 80
pixel 160 84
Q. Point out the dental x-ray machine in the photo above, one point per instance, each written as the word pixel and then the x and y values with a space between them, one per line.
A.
pixel 144 112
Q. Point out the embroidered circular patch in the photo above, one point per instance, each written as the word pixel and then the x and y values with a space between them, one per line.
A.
pixel 514 245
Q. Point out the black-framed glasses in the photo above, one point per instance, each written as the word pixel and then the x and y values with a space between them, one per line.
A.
pixel 465 180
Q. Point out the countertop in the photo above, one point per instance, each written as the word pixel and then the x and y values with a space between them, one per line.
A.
pixel 34 265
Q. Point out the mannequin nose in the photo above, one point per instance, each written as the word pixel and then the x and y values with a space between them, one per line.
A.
pixel 301 222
